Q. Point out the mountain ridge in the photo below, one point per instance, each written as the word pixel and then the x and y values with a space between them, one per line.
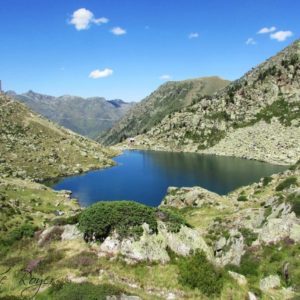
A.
pixel 169 97
pixel 86 116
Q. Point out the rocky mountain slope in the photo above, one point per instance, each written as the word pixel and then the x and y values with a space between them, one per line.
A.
pixel 168 98
pixel 88 117
pixel 33 147
pixel 257 116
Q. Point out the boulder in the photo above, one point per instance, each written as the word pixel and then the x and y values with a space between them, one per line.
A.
pixel 270 282
pixel 251 296
pixel 71 232
pixel 277 229
pixel 239 278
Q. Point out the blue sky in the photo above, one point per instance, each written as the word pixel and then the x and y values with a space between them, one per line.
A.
pixel 127 48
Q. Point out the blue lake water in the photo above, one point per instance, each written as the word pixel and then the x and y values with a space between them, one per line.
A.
pixel 144 176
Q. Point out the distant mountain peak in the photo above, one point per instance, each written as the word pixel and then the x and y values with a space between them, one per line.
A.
pixel 117 102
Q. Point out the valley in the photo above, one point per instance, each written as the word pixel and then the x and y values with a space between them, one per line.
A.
pixel 232 237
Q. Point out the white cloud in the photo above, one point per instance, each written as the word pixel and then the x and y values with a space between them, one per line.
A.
pixel 251 41
pixel 82 18
pixel 101 73
pixel 267 30
pixel 100 21
pixel 281 36
pixel 193 35
pixel 118 31
pixel 165 77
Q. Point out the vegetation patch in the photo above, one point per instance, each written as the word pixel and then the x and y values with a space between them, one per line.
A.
pixel 248 266
pixel 284 111
pixel 249 236
pixel 197 272
pixel 294 200
pixel 242 197
pixel 126 219
pixel 173 220
pixel 82 291
pixel 66 220
pixel 24 231
pixel 266 180
pixel 286 183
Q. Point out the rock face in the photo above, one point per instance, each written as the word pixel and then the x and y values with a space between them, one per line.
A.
pixel 153 247
pixel 89 117
pixel 272 142
pixel 195 196
pixel 33 147
pixel 256 117
pixel 277 229
pixel 167 99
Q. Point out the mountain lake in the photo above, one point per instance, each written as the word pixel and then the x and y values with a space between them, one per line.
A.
pixel 144 176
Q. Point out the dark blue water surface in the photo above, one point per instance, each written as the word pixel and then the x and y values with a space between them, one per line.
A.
pixel 144 176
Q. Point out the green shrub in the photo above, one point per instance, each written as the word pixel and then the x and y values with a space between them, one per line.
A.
pixel 173 220
pixel 66 220
pixel 82 291
pixel 286 183
pixel 242 198
pixel 124 217
pixel 25 231
pixel 267 180
pixel 249 236
pixel 249 265
pixel 197 272
pixel 294 200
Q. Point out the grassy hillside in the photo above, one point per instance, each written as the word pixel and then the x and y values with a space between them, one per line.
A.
pixel 33 147
pixel 170 97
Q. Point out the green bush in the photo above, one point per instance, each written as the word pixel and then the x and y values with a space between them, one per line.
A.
pixel 66 220
pixel 242 198
pixel 24 231
pixel 197 272
pixel 249 265
pixel 172 219
pixel 124 217
pixel 249 236
pixel 286 183
pixel 267 180
pixel 294 200
pixel 82 291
